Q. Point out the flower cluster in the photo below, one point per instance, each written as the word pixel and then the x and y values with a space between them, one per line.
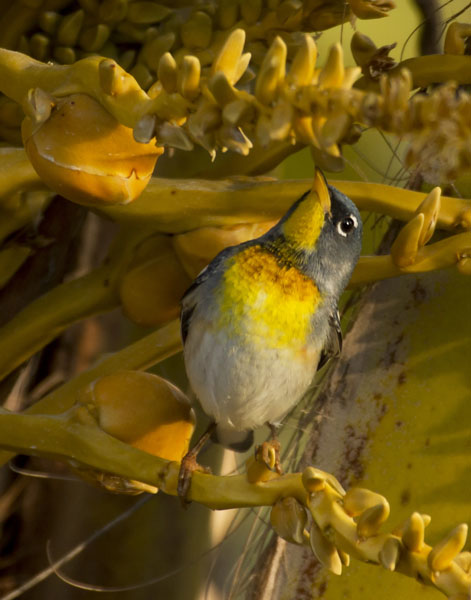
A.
pixel 348 523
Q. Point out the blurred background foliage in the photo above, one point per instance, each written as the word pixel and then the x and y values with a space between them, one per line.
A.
pixel 393 415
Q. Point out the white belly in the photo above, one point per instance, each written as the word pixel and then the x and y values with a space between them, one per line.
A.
pixel 243 388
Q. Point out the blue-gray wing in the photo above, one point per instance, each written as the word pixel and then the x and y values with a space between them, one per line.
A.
pixel 189 302
pixel 333 345
pixel 192 295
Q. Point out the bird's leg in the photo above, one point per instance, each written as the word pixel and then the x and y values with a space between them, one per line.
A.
pixel 189 464
pixel 275 443
pixel 269 451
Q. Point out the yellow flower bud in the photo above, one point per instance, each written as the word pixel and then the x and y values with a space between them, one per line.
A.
pixel 40 46
pixel 304 62
pixel 227 59
pixel 371 519
pixel 288 518
pixel 333 72
pixel 413 533
pixel 197 248
pixel 272 72
pixel 357 500
pixel 152 50
pixel 197 31
pixel 390 553
pixel 142 75
pixel 83 153
pixel 49 21
pixel 365 9
pixel 430 208
pixel 189 81
pixel 142 410
pixel 65 55
pixel 151 290
pixel 94 38
pixel 313 480
pixel 145 13
pixel 325 551
pixel 251 10
pixel 445 552
pixel 228 11
pixel 69 29
pixel 363 48
pixel 168 72
pixel 463 560
pixel 456 38
pixel 406 245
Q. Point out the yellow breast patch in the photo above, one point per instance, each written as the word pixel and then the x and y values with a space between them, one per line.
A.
pixel 270 303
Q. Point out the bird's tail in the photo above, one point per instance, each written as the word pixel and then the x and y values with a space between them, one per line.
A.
pixel 239 441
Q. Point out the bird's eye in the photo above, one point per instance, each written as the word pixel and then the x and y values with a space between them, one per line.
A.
pixel 346 225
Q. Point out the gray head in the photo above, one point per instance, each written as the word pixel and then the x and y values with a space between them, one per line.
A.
pixel 321 235
pixel 338 247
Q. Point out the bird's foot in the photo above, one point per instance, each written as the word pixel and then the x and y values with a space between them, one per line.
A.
pixel 188 466
pixel 269 453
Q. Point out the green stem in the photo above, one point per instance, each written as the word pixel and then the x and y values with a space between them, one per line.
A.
pixel 16 172
pixel 179 205
pixel 65 437
pixel 49 315
pixel 45 318
pixel 141 355
pixel 22 211
pixel 75 436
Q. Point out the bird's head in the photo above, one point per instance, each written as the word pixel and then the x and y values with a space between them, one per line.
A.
pixel 322 231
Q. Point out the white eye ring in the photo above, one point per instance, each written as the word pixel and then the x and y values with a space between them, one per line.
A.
pixel 341 224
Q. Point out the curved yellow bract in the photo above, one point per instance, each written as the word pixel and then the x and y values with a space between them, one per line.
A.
pixel 84 154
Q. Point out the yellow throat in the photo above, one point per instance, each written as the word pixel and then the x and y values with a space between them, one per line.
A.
pixel 303 226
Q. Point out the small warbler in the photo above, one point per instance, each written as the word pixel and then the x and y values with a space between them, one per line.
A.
pixel 262 317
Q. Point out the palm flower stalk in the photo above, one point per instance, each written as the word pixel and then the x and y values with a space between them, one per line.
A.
pixel 103 95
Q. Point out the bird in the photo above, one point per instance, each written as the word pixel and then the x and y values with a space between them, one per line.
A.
pixel 262 318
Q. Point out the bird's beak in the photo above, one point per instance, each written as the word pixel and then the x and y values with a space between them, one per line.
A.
pixel 320 188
